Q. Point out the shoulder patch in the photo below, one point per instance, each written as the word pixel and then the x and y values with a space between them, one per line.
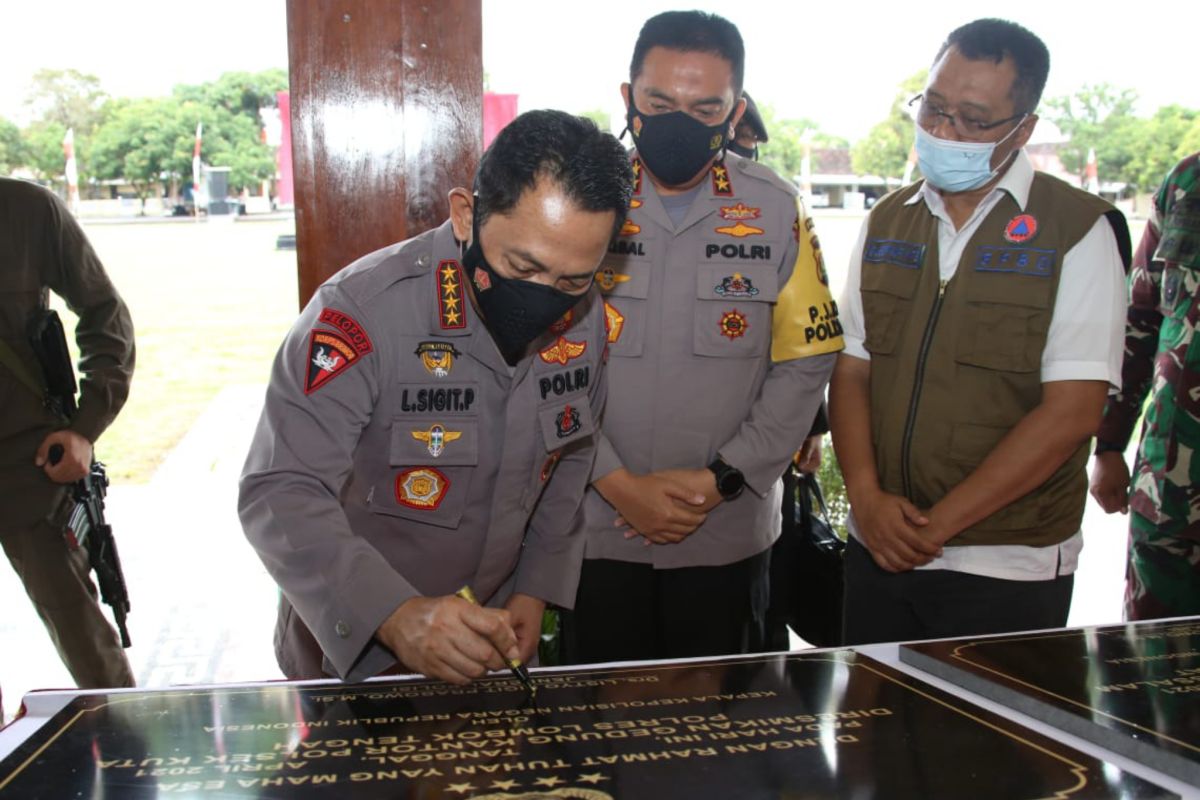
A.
pixel 348 326
pixel 329 355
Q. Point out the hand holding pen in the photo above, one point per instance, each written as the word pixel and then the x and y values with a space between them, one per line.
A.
pixel 519 670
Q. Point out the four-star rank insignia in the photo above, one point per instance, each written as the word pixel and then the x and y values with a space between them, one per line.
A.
pixel 567 422
pixel 608 278
pixel 614 322
pixel 735 285
pixel 329 355
pixel 562 351
pixel 451 313
pixel 436 438
pixel 720 181
pixel 437 357
pixel 422 488
pixel 733 325
pixel 1021 228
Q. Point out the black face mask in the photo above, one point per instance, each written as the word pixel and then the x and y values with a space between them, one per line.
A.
pixel 676 146
pixel 743 151
pixel 515 311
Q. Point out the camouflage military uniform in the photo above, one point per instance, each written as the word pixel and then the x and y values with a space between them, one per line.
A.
pixel 1162 352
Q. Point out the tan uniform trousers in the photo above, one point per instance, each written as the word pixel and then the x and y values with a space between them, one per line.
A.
pixel 57 581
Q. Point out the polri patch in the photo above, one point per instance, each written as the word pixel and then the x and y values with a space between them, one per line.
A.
pixel 721 185
pixel 567 422
pixel 422 488
pixel 436 438
pixel 562 351
pixel 349 327
pixel 437 357
pixel 735 285
pixel 451 313
pixel 733 325
pixel 614 323
pixel 1021 228
pixel 909 255
pixel 1015 260
pixel 329 355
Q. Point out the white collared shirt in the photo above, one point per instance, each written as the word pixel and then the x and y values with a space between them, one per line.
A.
pixel 1085 342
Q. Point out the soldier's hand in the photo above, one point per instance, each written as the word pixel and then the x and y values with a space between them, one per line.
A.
pixel 1110 482
pixel 659 509
pixel 701 481
pixel 526 613
pixel 449 638
pixel 76 459
pixel 890 528
pixel 808 460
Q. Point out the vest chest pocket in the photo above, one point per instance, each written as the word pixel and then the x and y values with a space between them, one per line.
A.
pixel 432 464
pixel 733 309
pixel 1004 322
pixel 887 295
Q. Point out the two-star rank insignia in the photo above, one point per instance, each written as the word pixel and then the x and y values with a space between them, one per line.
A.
pixel 451 313
pixel 422 488
pixel 329 355
pixel 567 422
pixel 436 438
pixel 614 322
pixel 637 172
pixel 720 181
pixel 437 357
pixel 733 324
pixel 562 351
pixel 608 278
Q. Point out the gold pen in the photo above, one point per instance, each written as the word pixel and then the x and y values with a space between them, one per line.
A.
pixel 518 669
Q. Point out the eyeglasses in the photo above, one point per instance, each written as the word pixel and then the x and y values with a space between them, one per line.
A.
pixel 929 113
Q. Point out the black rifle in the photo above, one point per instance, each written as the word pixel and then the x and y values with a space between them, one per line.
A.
pixel 86 527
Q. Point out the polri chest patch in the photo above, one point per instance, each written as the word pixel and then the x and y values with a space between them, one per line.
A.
pixel 422 488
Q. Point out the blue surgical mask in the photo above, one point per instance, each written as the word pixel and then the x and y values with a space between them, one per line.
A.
pixel 955 166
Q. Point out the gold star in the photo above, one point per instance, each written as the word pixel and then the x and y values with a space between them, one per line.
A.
pixel 451 303
pixel 448 271
pixel 549 782
pixel 722 183
pixel 461 788
pixel 637 167
pixel 451 317
pixel 593 778
pixel 509 784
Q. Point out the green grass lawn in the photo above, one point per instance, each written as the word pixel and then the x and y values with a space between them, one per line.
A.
pixel 210 302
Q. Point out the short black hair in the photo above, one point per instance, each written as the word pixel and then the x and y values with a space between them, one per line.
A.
pixel 994 39
pixel 692 32
pixel 589 165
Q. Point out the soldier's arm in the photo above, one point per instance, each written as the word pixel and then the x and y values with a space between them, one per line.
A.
pixel 300 459
pixel 105 329
pixel 805 336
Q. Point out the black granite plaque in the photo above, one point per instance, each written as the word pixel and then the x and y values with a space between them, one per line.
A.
pixel 1133 688
pixel 805 725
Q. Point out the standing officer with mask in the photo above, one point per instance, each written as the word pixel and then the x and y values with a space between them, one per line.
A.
pixel 721 334
pixel 431 418
pixel 983 317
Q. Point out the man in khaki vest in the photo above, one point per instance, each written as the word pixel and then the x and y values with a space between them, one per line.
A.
pixel 983 319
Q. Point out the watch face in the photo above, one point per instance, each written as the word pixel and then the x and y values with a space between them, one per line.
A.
pixel 730 482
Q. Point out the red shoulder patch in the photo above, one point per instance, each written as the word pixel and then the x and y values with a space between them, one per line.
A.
pixel 350 327
pixel 329 355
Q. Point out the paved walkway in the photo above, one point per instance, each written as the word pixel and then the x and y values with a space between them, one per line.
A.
pixel 203 607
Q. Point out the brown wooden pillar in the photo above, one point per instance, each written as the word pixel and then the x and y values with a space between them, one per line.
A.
pixel 386 100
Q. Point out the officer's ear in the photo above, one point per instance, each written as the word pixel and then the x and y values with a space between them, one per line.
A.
pixel 462 209
pixel 626 93
pixel 738 111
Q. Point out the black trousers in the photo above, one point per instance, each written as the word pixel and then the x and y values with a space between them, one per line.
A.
pixel 881 606
pixel 626 611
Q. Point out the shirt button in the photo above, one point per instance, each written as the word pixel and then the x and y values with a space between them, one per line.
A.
pixel 343 630
pixel 422 261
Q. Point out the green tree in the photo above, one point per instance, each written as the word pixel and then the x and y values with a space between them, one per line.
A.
pixel 44 150
pixel 599 116
pixel 1099 117
pixel 784 151
pixel 69 98
pixel 1161 144
pixel 12 147
pixel 138 143
pixel 884 151
pixel 237 92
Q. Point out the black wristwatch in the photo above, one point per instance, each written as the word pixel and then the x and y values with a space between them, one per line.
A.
pixel 730 480
pixel 1107 447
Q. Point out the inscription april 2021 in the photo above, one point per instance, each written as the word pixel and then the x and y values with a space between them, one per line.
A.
pixel 822 724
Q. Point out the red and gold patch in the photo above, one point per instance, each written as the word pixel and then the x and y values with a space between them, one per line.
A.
pixel 422 488
pixel 720 181
pixel 349 327
pixel 740 211
pixel 483 281
pixel 329 355
pixel 548 467
pixel 614 323
pixel 451 311
pixel 1021 228
pixel 635 203
pixel 608 277
pixel 630 228
pixel 563 351
pixel 733 324
pixel 560 325
pixel 739 229
pixel 637 174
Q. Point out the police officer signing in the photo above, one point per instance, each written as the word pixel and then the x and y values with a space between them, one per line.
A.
pixel 983 314
pixel 721 332
pixel 430 422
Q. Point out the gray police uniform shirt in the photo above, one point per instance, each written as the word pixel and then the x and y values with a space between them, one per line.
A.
pixel 722 335
pixel 399 456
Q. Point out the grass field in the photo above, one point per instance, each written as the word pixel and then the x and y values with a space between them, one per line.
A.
pixel 210 303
